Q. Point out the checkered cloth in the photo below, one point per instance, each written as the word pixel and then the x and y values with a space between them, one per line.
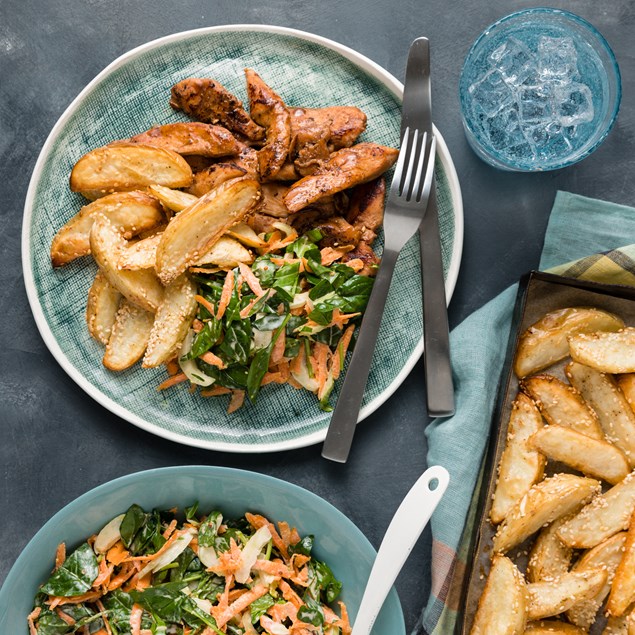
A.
pixel 578 227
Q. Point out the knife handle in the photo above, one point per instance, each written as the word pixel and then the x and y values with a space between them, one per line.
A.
pixel 436 340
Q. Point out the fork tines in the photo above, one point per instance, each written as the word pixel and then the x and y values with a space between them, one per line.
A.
pixel 413 151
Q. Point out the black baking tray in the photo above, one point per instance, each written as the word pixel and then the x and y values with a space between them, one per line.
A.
pixel 538 293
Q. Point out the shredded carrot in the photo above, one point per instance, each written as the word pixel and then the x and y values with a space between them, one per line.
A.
pixel 104 617
pixel 65 617
pixel 117 553
pixel 172 367
pixel 226 295
pixel 135 619
pixel 258 521
pixel 344 623
pixel 169 530
pixel 320 355
pixel 172 381
pixel 239 605
pixel 60 555
pixel 127 571
pixel 215 391
pixel 340 319
pixel 205 303
pixel 298 560
pixel 229 561
pixel 251 279
pixel 197 325
pixel 290 595
pixel 356 264
pixel 285 532
pixel 105 571
pixel 294 383
pixel 273 378
pixel 55 601
pixel 277 352
pixel 330 254
pixel 32 616
pixel 340 351
pixel 283 611
pixel 277 569
pixel 237 400
pixel 234 594
pixel 213 360
pixel 205 269
pixel 168 543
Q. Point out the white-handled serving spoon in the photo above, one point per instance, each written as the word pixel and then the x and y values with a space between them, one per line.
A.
pixel 401 536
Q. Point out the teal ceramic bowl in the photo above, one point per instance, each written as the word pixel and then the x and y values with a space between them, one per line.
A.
pixel 130 96
pixel 337 540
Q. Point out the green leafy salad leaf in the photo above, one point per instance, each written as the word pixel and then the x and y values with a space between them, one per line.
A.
pixel 76 575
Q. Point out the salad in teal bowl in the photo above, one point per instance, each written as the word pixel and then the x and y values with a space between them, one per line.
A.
pixel 193 550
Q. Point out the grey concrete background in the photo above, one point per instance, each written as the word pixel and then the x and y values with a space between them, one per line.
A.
pixel 56 442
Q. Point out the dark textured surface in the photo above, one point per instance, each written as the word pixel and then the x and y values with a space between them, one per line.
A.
pixel 57 442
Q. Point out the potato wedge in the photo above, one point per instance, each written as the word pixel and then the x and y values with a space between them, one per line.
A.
pixel 592 457
pixel 549 557
pixel 173 319
pixel 603 517
pixel 607 556
pixel 614 413
pixel 130 212
pixel 227 253
pixel 626 384
pixel 174 200
pixel 129 166
pixel 140 287
pixel 101 309
pixel 129 337
pixel 608 352
pixel 141 254
pixel 546 342
pixel 210 178
pixel 623 587
pixel 547 599
pixel 553 627
pixel 193 231
pixel 616 626
pixel 520 466
pixel 545 502
pixel 494 617
pixel 561 404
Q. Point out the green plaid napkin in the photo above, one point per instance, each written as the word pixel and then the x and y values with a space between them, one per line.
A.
pixel 588 236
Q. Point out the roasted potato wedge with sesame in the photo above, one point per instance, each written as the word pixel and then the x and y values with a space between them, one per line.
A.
pixel 245 234
pixel 553 627
pixel 607 556
pixel 141 254
pixel 520 466
pixel 561 404
pixel 129 337
pixel 607 400
pixel 493 616
pixel 626 384
pixel 547 599
pixel 592 457
pixel 101 309
pixel 549 557
pixel 140 287
pixel 608 352
pixel 174 200
pixel 130 212
pixel 546 342
pixel 192 137
pixel 226 253
pixel 173 319
pixel 128 167
pixel 603 517
pixel 622 593
pixel 552 498
pixel 193 231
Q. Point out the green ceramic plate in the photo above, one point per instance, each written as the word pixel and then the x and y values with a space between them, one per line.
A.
pixel 130 96
pixel 337 540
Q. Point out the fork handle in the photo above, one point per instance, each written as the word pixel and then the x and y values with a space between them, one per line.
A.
pixel 436 341
pixel 339 437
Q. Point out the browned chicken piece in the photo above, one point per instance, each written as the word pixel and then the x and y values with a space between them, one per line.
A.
pixel 366 210
pixel 213 176
pixel 248 160
pixel 261 223
pixel 365 253
pixel 210 102
pixel 272 200
pixel 192 137
pixel 197 162
pixel 268 110
pixel 346 168
pixel 337 232
pixel 344 123
pixel 287 172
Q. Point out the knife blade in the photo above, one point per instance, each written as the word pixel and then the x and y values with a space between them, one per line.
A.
pixel 417 113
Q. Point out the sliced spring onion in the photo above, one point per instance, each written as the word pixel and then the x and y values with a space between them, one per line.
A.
pixel 189 367
pixel 170 554
pixel 109 535
pixel 250 553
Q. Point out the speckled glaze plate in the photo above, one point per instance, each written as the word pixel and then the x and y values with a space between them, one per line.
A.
pixel 130 96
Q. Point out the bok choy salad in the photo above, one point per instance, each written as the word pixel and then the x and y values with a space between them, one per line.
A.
pixel 288 318
pixel 149 573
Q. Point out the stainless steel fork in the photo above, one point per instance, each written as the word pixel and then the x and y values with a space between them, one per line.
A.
pixel 405 207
